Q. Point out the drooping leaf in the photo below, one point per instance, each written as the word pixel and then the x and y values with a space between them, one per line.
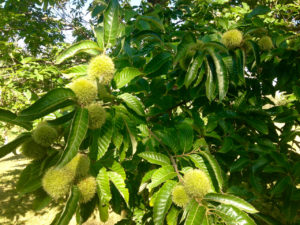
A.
pixel 221 71
pixel 157 62
pixel 77 48
pixel 193 70
pixel 195 214
pixel 11 118
pixel 102 179
pixel 155 158
pixel 103 209
pixel 259 10
pixel 99 33
pixel 154 21
pixel 187 41
pixel 133 103
pixel 104 138
pixel 172 217
pixel 119 182
pixel 145 180
pixel 215 167
pixel 53 100
pixel 163 202
pixel 185 135
pixel 63 119
pixel 255 50
pixel 111 22
pixel 233 216
pixel 11 146
pixel 77 133
pixel 117 167
pixel 75 71
pixel 70 207
pixel 210 85
pixel 161 175
pixel 125 76
pixel 231 200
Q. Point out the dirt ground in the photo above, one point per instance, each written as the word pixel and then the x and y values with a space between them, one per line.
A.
pixel 16 210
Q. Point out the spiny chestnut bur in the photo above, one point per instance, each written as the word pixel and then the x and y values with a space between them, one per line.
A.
pixel 232 38
pixel 265 43
pixel 87 187
pixel 179 196
pixel 196 183
pixel 44 134
pixel 101 67
pixel 79 165
pixel 85 91
pixel 57 182
pixel 97 115
pixel 33 150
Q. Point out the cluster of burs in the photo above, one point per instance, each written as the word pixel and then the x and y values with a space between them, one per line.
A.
pixel 195 185
pixel 234 38
pixel 58 181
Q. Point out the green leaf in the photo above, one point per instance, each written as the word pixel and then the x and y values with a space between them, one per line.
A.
pixel 157 62
pixel 117 167
pixel 103 211
pixel 11 118
pixel 63 119
pixel 255 50
pixel 172 216
pixel 233 216
pixel 281 186
pixel 215 167
pixel 161 175
pixel 77 48
pixel 70 207
pixel 53 100
pixel 104 138
pixel 163 202
pixel 193 70
pixel 102 179
pixel 77 133
pixel 119 182
pixel 156 22
pixel 221 71
pixel 195 214
pixel 155 158
pixel 259 10
pixel 99 34
pixel 187 41
pixel 145 180
pixel 41 201
pixel 30 178
pixel 133 103
pixel 11 146
pixel 111 22
pixel 185 135
pixel 125 76
pixel 131 135
pixel 231 200
pixel 75 71
pixel 210 85
pixel 86 210
pixel 257 124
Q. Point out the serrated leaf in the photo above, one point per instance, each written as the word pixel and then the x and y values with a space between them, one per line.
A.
pixel 9 117
pixel 53 100
pixel 163 202
pixel 231 200
pixel 119 182
pixel 156 22
pixel 133 103
pixel 132 136
pixel 104 138
pixel 11 146
pixel 187 41
pixel 103 187
pixel 281 185
pixel 259 10
pixel 125 76
pixel 75 71
pixel 145 179
pixel 257 124
pixel 210 85
pixel 185 135
pixel 172 216
pixel 103 211
pixel 117 167
pixel 193 70
pixel 255 50
pixel 77 48
pixel 233 216
pixel 63 119
pixel 99 34
pixel 195 214
pixel 161 175
pixel 77 133
pixel 157 62
pixel 111 22
pixel 155 158
pixel 70 207
pixel 215 167
pixel 222 75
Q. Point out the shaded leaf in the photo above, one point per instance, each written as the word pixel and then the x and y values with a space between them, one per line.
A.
pixel 155 158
